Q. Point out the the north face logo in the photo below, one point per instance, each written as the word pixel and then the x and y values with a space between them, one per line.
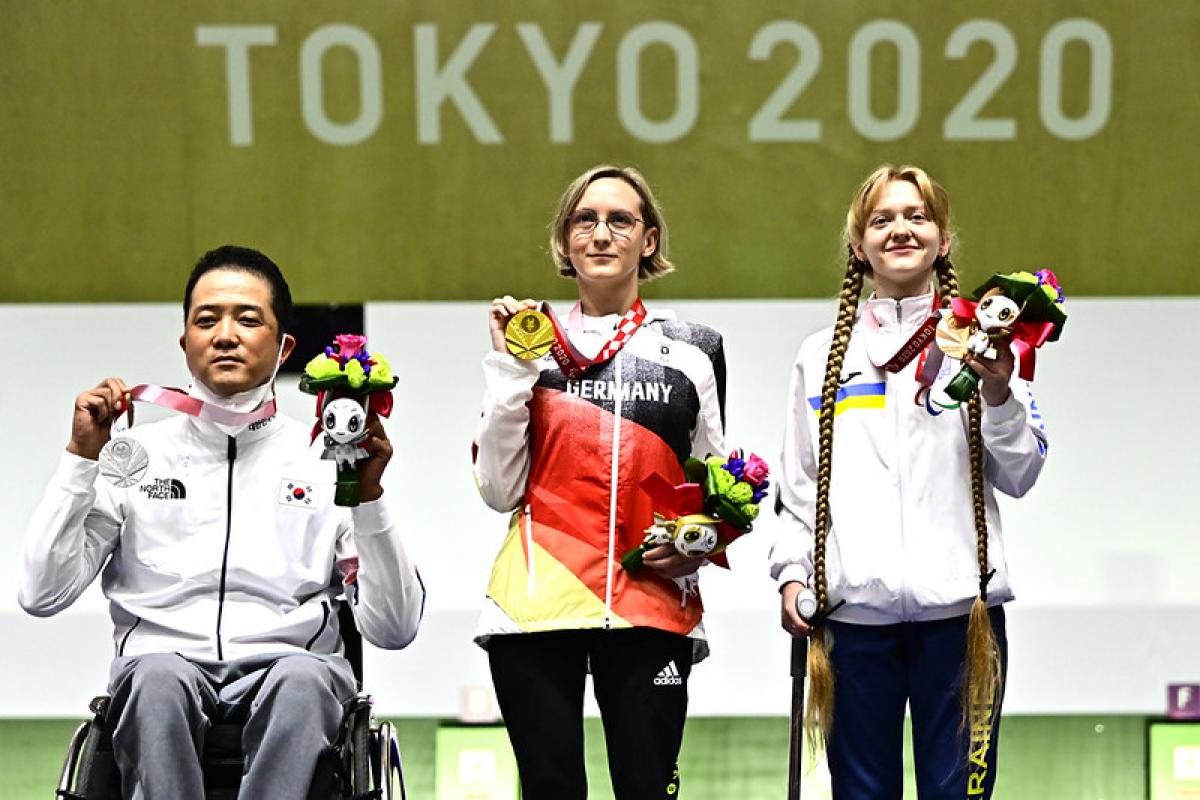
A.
pixel 668 675
pixel 164 489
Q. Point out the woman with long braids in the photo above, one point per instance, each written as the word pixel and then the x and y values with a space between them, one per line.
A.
pixel 888 499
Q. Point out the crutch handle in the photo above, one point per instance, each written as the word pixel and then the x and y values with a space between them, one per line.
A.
pixel 806 604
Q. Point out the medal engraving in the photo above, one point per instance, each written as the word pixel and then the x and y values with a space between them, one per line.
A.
pixel 123 462
pixel 529 334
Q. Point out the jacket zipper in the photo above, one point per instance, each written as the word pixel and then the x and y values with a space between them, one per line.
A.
pixel 231 454
pixel 612 493
pixel 898 461
pixel 320 630
pixel 529 549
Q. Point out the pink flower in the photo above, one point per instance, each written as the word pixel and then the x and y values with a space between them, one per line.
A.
pixel 1047 277
pixel 349 345
pixel 755 471
pixel 1048 282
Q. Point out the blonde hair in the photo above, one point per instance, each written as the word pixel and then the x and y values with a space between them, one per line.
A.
pixel 983 668
pixel 937 202
pixel 652 266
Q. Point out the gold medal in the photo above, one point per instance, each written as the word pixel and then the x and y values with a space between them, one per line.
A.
pixel 529 334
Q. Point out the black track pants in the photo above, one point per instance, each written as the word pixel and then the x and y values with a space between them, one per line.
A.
pixel 640 679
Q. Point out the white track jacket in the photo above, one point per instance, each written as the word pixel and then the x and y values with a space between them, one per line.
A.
pixel 901 545
pixel 228 547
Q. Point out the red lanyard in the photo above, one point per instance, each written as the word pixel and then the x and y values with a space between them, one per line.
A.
pixel 570 360
pixel 917 343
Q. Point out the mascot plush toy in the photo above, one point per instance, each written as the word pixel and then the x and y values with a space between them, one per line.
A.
pixel 1021 308
pixel 345 424
pixel 350 383
pixel 692 534
pixel 702 517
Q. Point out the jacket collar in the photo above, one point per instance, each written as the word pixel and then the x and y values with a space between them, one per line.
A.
pixel 904 315
pixel 605 324
pixel 244 402
pixel 885 324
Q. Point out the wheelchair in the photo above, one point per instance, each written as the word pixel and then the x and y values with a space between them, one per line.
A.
pixel 363 764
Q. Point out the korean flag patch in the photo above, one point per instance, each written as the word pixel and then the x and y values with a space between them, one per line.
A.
pixel 296 493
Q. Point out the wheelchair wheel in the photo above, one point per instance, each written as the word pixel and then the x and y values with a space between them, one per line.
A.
pixel 391 767
pixel 359 752
pixel 70 769
pixel 89 771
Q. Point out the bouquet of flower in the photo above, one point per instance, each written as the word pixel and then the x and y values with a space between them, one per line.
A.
pixel 1021 308
pixel 702 517
pixel 349 382
pixel 349 368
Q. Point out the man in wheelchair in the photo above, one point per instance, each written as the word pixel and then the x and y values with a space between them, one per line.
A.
pixel 222 553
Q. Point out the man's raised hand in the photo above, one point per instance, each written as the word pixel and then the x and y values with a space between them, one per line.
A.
pixel 93 416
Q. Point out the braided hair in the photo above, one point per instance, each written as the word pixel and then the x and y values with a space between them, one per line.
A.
pixel 983 673
pixel 818 714
pixel 982 669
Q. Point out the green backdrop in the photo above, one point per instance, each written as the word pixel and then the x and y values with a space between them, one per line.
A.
pixel 1042 758
pixel 412 150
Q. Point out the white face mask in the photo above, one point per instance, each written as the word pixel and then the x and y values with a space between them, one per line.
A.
pixel 246 401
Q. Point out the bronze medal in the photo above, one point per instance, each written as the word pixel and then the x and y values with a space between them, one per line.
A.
pixel 529 334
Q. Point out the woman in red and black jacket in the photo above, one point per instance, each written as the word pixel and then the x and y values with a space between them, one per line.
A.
pixel 564 446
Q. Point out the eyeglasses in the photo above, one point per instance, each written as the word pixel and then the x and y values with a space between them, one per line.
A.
pixel 620 223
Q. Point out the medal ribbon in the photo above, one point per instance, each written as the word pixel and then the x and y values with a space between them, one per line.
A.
pixel 178 400
pixel 570 360
pixel 916 344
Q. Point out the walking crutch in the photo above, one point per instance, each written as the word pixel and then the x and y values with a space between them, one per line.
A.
pixel 796 737
pixel 806 607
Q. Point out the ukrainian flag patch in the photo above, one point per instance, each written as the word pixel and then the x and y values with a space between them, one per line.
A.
pixel 858 395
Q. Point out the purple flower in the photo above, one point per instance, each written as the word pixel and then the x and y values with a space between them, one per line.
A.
pixel 733 469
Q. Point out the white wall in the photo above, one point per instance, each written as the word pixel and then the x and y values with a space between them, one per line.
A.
pixel 1103 552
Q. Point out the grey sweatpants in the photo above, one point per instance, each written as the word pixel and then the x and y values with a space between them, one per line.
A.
pixel 163 704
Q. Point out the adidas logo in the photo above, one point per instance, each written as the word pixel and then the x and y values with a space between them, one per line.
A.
pixel 668 675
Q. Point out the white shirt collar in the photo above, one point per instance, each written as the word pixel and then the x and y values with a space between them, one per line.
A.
pixel 241 402
pixel 906 313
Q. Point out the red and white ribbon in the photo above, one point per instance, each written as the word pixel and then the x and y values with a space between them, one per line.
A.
pixel 570 360
pixel 179 400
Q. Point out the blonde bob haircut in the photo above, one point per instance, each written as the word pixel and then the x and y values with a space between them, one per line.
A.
pixel 650 267
pixel 937 202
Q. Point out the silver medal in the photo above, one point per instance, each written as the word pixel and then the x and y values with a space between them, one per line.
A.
pixel 123 462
